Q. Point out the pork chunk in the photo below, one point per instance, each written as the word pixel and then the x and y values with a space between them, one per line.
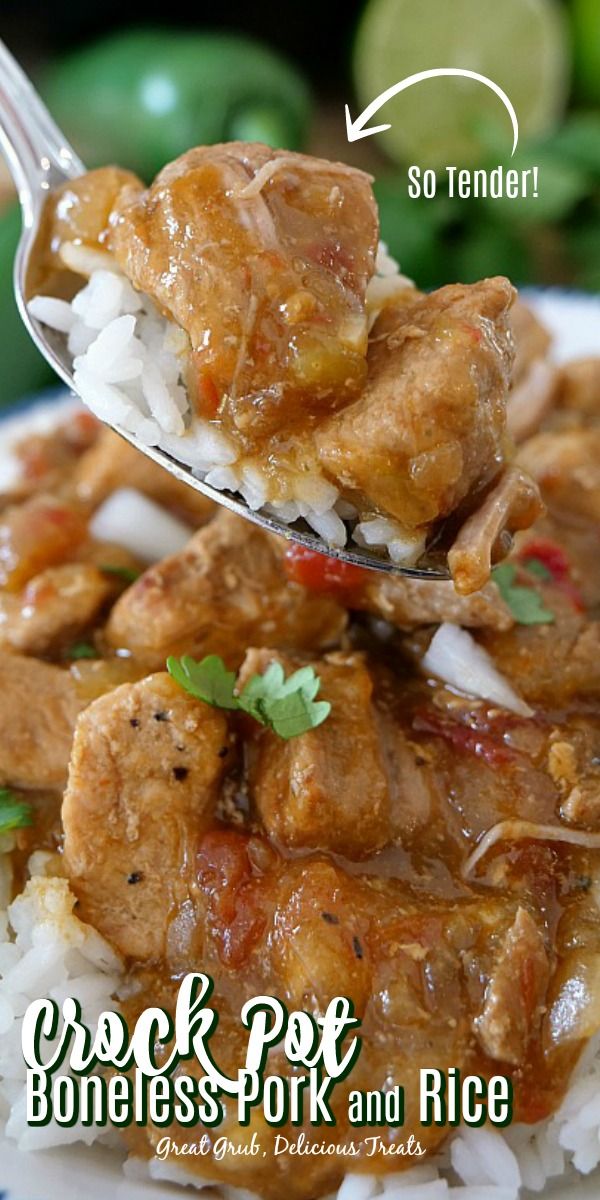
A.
pixel 263 257
pixel 579 388
pixel 515 994
pixel 410 602
pixel 566 464
pixel 39 707
pixel 42 532
pixel 429 426
pixel 326 789
pixel 547 661
pixel 318 947
pixel 53 609
pixel 143 781
pixel 224 592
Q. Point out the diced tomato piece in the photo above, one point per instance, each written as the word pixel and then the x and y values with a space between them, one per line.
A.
pixel 234 894
pixel 550 554
pixel 321 573
pixel 555 560
pixel 463 737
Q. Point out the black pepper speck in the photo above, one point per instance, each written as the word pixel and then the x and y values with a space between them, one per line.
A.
pixel 161 716
pixel 180 773
pixel 135 877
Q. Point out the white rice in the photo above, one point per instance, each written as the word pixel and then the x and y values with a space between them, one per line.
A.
pixel 46 951
pixel 128 364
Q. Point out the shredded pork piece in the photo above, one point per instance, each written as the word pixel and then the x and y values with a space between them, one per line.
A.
pixel 293 162
pixel 516 831
pixel 515 993
pixel 514 503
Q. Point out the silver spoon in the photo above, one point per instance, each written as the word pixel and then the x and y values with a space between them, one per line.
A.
pixel 41 159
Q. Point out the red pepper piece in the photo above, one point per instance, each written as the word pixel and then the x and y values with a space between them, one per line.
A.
pixel 321 573
pixel 555 560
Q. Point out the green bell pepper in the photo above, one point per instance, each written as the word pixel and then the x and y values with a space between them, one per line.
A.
pixel 143 97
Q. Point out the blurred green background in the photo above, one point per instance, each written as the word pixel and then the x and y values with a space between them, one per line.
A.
pixel 136 94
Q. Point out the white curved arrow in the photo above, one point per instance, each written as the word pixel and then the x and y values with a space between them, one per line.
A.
pixel 356 130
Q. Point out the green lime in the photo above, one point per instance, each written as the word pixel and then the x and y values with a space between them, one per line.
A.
pixel 561 185
pixel 144 96
pixel 585 20
pixel 577 142
pixel 522 45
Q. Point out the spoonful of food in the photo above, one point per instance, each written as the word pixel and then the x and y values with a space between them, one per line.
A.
pixel 239 323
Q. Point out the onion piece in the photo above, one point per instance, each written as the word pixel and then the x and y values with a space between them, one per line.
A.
pixel 516 830
pixel 455 657
pixel 148 531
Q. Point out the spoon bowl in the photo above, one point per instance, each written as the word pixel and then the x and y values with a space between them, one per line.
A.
pixel 40 159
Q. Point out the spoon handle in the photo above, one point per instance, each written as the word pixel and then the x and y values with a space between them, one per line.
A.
pixel 38 154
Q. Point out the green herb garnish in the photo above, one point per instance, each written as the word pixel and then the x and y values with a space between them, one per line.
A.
pixel 127 574
pixel 14 813
pixel 525 603
pixel 82 650
pixel 536 567
pixel 287 706
pixel 208 680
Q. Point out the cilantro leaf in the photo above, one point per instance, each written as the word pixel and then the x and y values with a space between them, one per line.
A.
pixel 303 680
pixel 525 603
pixel 127 574
pixel 14 813
pixel 289 716
pixel 82 650
pixel 208 680
pixel 536 567
pixel 287 706
pixel 259 690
